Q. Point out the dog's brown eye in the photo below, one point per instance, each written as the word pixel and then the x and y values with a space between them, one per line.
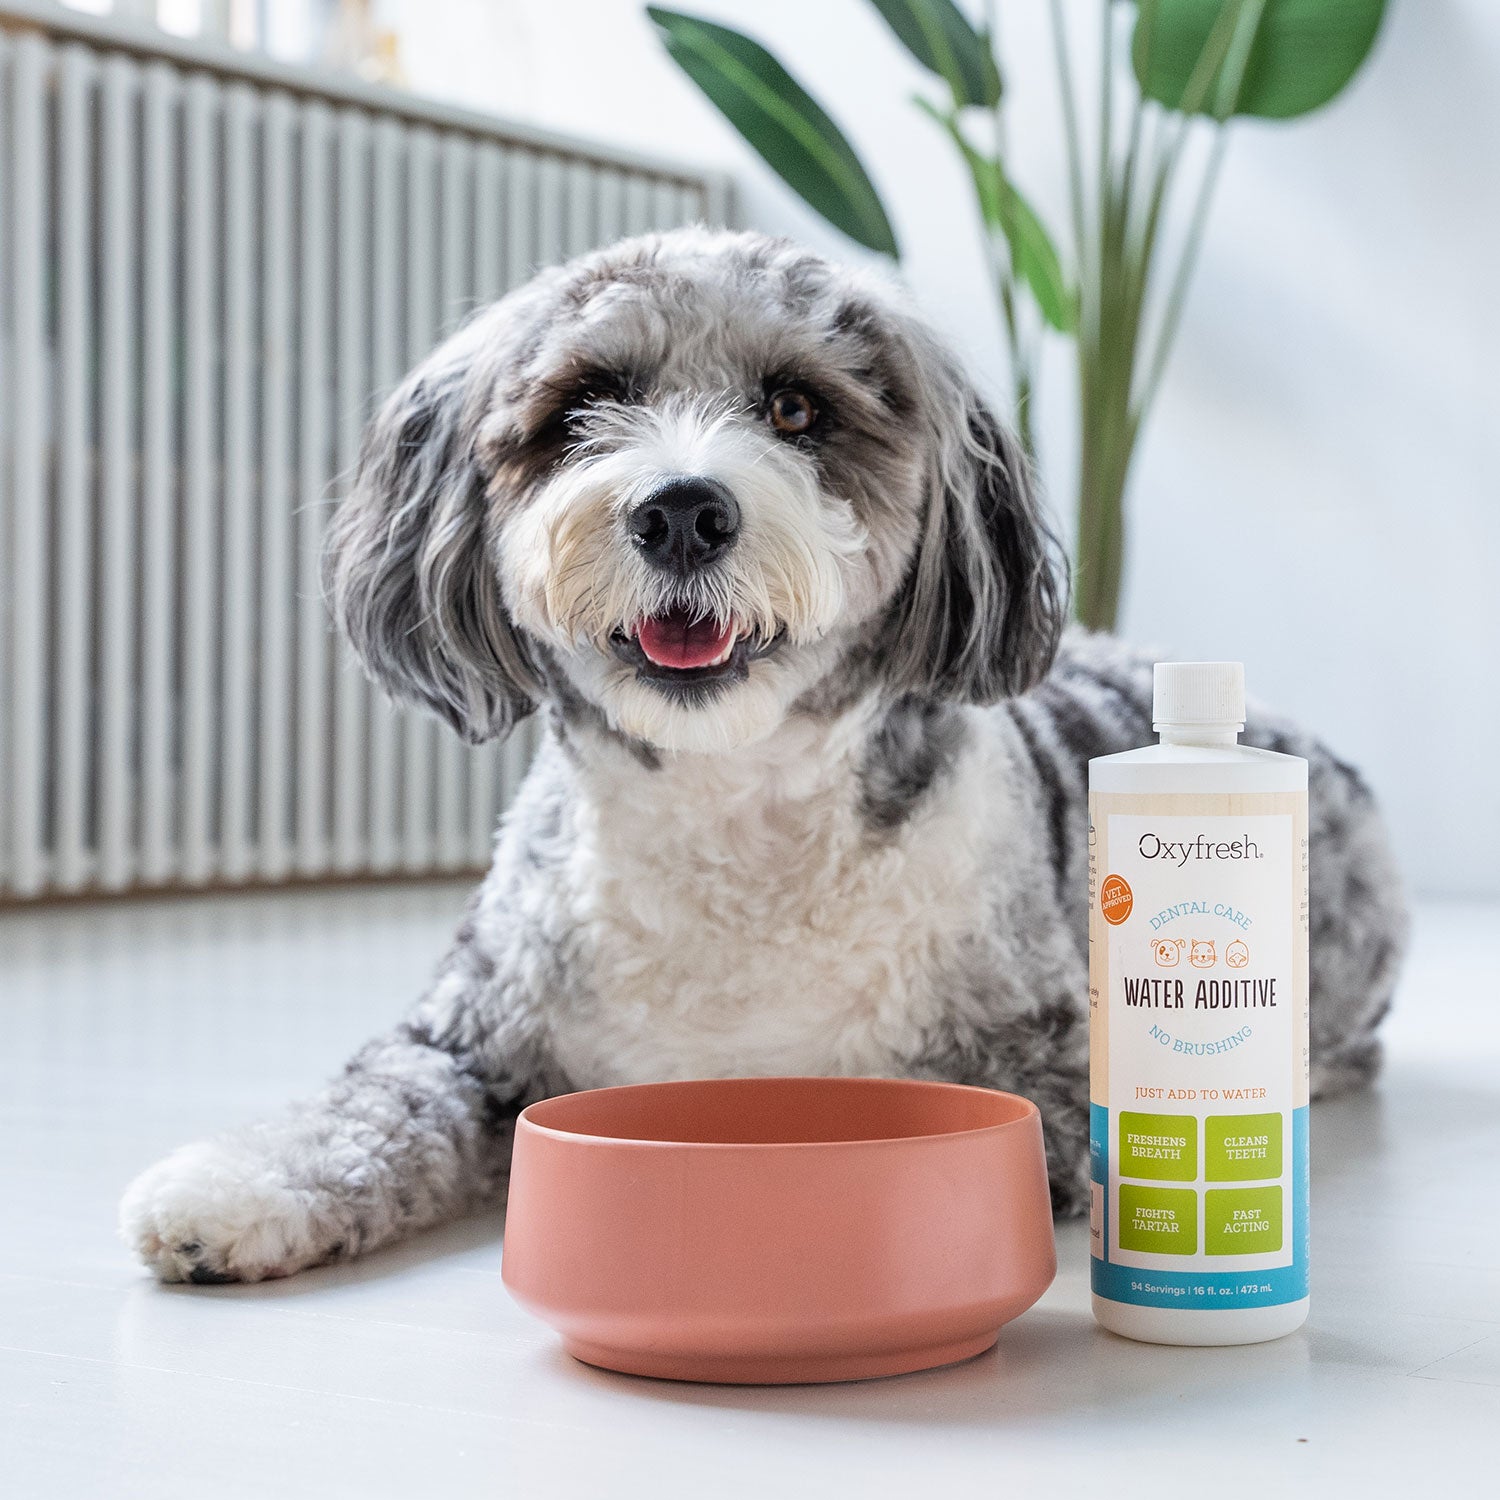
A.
pixel 792 412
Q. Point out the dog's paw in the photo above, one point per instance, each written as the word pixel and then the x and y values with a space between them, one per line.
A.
pixel 211 1213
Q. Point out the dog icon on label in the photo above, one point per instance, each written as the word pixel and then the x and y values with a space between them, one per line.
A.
pixel 1237 955
pixel 1202 955
pixel 1167 951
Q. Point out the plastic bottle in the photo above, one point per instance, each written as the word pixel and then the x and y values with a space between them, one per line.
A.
pixel 1198 939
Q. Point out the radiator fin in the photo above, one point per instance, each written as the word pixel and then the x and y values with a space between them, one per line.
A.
pixel 206 282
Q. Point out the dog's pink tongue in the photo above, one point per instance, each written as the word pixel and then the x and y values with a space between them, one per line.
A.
pixel 678 640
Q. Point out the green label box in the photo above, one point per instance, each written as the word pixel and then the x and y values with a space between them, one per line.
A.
pixel 1161 1147
pixel 1242 1221
pixel 1242 1148
pixel 1158 1221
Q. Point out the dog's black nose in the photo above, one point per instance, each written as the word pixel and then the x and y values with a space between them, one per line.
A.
pixel 685 522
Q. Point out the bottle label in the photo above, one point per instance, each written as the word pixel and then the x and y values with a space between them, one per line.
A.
pixel 1198 1048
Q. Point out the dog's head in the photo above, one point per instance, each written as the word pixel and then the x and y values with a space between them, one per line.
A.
pixel 689 480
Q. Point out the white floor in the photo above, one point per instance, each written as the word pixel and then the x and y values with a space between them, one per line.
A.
pixel 125 1029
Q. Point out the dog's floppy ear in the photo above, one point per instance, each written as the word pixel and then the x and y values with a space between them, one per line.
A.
pixel 407 565
pixel 979 615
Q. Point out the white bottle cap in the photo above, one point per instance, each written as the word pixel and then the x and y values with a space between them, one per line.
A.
pixel 1198 692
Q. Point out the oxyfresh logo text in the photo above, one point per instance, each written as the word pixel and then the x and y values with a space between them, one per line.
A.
pixel 1179 852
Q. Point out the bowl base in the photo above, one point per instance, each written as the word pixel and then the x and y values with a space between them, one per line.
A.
pixel 777 1369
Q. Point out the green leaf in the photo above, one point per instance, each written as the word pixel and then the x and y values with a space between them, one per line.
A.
pixel 1033 254
pixel 1036 259
pixel 778 117
pixel 941 38
pixel 1303 53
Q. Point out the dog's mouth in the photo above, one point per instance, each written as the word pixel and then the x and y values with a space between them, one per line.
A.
pixel 683 648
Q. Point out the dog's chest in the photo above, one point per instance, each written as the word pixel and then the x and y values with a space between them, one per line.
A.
pixel 757 926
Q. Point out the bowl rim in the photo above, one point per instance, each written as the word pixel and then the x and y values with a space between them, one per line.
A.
pixel 1028 1111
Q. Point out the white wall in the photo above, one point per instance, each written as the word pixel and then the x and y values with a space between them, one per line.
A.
pixel 1317 492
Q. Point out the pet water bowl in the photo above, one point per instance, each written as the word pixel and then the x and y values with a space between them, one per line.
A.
pixel 770 1230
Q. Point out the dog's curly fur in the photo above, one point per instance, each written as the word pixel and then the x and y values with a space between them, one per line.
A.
pixel 857 848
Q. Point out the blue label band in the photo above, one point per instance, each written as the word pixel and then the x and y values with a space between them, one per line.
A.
pixel 1202 1290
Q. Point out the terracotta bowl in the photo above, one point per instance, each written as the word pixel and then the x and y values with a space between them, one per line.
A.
pixel 762 1230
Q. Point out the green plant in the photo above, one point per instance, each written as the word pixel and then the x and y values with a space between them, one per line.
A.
pixel 1195 65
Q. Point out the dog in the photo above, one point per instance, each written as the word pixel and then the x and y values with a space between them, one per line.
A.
pixel 812 799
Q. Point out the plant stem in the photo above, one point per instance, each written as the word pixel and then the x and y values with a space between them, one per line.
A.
pixel 1002 267
pixel 1119 271
pixel 1092 499
pixel 1101 493
pixel 1106 95
pixel 1072 136
pixel 1247 19
pixel 1106 354
pixel 1177 297
pixel 1003 270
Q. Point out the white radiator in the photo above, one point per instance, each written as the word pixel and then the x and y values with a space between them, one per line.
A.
pixel 208 270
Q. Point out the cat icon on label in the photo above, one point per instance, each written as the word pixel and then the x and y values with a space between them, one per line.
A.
pixel 1202 955
pixel 1237 955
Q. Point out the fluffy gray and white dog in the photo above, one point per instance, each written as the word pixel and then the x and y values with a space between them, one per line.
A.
pixel 813 796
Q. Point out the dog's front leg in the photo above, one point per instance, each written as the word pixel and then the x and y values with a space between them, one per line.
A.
pixel 416 1130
